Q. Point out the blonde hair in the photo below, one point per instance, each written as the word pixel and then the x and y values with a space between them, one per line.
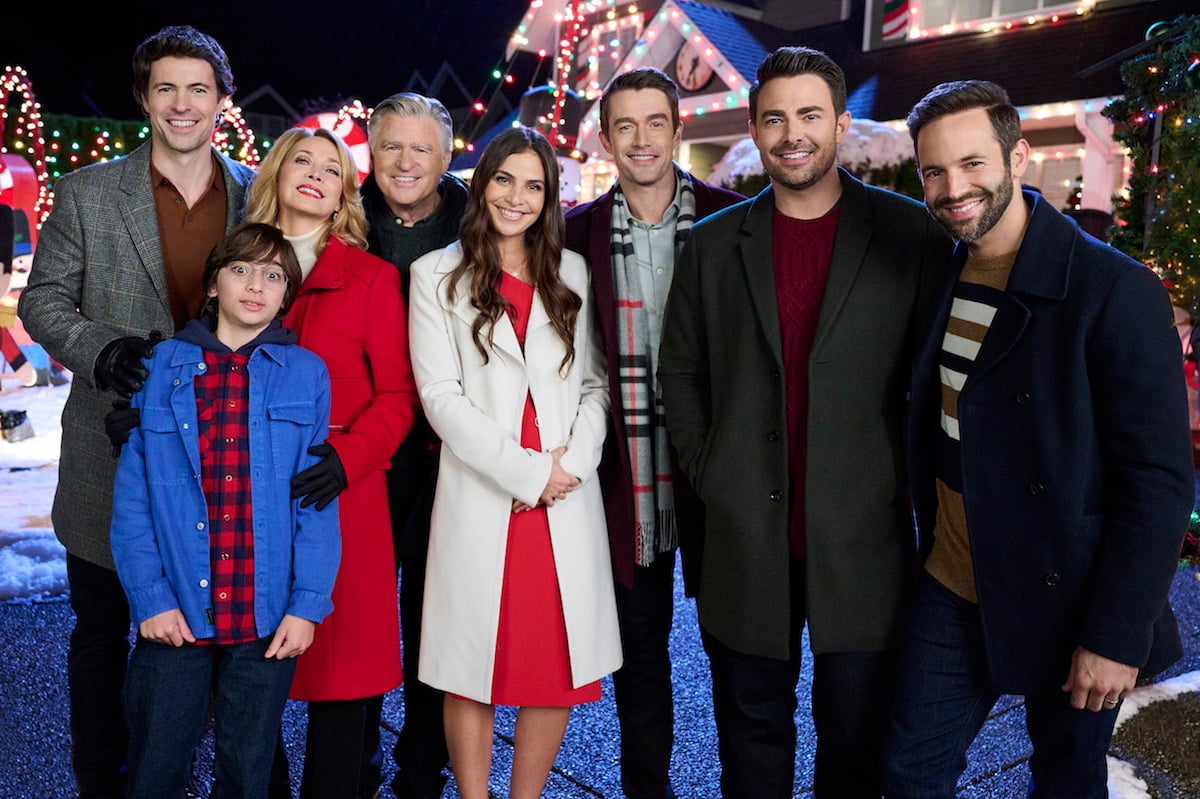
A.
pixel 349 223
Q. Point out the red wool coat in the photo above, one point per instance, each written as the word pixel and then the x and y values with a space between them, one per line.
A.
pixel 350 311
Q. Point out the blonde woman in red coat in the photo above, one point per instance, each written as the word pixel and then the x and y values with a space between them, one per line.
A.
pixel 350 311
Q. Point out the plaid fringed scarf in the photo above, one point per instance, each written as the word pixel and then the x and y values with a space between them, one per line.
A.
pixel 645 427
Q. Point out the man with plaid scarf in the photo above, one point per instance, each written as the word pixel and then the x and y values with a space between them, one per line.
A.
pixel 630 237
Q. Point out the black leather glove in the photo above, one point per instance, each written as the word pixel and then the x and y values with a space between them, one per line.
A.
pixel 120 366
pixel 119 422
pixel 321 482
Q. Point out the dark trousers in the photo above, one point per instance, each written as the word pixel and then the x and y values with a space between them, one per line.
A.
pixel 96 663
pixel 370 770
pixel 642 686
pixel 420 751
pixel 944 696
pixel 336 753
pixel 754 704
pixel 167 701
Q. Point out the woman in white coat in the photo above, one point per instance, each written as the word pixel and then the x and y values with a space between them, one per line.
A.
pixel 519 606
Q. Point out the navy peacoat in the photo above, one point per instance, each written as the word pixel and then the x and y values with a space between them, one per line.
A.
pixel 1076 456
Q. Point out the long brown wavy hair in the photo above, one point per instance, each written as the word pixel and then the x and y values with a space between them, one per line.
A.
pixel 544 241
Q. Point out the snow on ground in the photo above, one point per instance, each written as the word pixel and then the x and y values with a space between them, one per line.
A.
pixel 32 562
pixel 33 565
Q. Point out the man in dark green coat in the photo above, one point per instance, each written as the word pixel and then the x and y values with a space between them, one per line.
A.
pixel 785 365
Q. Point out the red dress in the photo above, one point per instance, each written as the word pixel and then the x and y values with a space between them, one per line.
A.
pixel 533 667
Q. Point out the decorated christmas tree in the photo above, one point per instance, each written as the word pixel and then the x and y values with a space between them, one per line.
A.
pixel 1158 120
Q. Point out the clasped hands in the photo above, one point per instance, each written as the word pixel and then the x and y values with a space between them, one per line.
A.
pixel 560 484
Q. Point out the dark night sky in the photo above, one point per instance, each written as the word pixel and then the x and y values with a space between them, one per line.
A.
pixel 364 49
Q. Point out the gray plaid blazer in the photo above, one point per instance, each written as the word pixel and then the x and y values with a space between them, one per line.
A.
pixel 97 275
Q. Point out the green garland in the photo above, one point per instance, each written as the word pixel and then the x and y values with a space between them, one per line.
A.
pixel 81 141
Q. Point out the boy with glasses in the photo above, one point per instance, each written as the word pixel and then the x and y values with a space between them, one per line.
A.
pixel 227 576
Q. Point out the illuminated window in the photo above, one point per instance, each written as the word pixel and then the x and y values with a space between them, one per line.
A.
pixel 937 13
pixel 1055 173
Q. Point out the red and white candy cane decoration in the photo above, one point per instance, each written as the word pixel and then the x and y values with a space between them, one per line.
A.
pixel 6 184
pixel 342 123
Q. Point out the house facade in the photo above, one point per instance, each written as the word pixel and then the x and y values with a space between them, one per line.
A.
pixel 1059 61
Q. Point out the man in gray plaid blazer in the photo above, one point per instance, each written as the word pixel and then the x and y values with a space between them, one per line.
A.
pixel 121 255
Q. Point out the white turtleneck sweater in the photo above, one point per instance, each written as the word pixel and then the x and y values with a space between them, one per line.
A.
pixel 305 246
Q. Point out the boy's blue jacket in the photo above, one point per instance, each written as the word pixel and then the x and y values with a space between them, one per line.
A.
pixel 160 529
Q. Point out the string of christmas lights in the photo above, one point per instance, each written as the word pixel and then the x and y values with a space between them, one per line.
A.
pixel 996 22
pixel 55 145
pixel 28 128
pixel 592 38
pixel 1157 118
pixel 245 150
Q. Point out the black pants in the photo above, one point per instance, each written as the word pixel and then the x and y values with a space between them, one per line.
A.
pixel 420 751
pixel 335 750
pixel 642 686
pixel 754 704
pixel 96 663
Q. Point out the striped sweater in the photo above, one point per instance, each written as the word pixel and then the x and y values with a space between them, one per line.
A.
pixel 975 301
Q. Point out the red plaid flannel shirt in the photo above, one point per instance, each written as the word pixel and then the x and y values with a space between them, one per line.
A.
pixel 222 408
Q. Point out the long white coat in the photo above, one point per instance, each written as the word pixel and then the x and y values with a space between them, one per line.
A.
pixel 476 410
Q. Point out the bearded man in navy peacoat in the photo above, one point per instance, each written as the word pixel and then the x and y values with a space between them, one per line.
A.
pixel 1052 469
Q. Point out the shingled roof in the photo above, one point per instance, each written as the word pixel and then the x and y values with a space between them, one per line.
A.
pixel 741 49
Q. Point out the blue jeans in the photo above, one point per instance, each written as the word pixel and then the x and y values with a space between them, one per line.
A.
pixel 944 697
pixel 754 704
pixel 166 700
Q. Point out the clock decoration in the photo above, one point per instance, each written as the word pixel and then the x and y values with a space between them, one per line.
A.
pixel 692 72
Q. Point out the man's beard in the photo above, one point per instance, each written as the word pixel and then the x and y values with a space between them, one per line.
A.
pixel 995 204
pixel 821 162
